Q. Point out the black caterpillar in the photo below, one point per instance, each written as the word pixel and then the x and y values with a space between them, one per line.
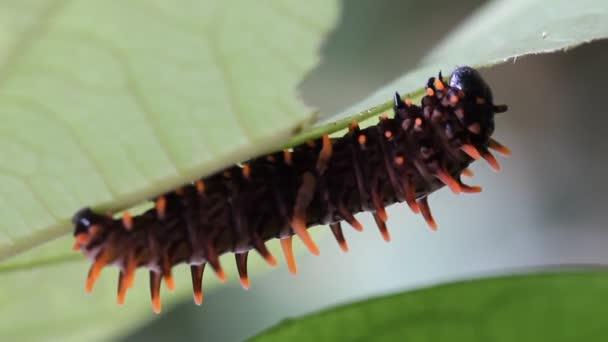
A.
pixel 325 181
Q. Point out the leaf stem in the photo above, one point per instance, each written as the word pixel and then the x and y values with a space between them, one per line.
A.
pixel 315 132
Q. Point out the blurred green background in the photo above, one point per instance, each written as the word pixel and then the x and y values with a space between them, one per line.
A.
pixel 545 209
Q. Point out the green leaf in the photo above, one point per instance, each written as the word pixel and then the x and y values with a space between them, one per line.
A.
pixel 42 295
pixel 501 31
pixel 106 103
pixel 544 307
pixel 506 29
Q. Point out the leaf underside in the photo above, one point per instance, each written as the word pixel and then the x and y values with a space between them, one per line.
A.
pixel 109 109
pixel 107 103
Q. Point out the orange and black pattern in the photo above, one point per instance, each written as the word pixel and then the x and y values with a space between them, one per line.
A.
pixel 326 181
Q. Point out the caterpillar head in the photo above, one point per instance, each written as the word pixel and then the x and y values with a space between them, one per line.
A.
pixel 87 225
pixel 471 83
pixel 477 101
pixel 84 219
pixel 88 228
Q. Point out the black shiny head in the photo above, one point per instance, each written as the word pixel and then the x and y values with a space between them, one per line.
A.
pixel 471 83
pixel 83 220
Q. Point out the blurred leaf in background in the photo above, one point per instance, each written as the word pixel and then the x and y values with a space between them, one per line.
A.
pixel 546 307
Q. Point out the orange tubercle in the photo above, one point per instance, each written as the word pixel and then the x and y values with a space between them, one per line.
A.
pixel 200 187
pixel 169 282
pixel 426 213
pixel 246 171
pixel 439 84
pixel 299 227
pixel 245 282
pixel 500 148
pixel 196 272
pixel 362 139
pixel 95 271
pixel 414 207
pixel 198 297
pixel 324 154
pixel 270 260
pixel 287 157
pixel 489 158
pixel 287 246
pixel 471 151
pixel 221 275
pixel 343 246
pixel 382 227
pixel 357 225
pixel 470 189
pixel 350 218
pixel 161 207
pixel 127 220
pixel 467 172
pixel 381 212
pixel 81 239
pixel 130 272
pixel 448 180
pixel 156 306
pixel 386 236
pixel 167 273
pixel 155 280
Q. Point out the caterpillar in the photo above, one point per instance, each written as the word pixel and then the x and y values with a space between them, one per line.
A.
pixel 323 182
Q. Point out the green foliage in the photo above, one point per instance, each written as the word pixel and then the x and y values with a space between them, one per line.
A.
pixel 106 103
pixel 545 307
